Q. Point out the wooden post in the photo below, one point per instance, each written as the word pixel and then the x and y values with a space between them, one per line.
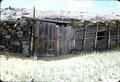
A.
pixel 32 34
pixel 36 36
pixel 118 34
pixel 34 12
pixel 0 11
pixel 84 38
pixel 57 30
pixel 109 34
pixel 95 40
pixel 31 40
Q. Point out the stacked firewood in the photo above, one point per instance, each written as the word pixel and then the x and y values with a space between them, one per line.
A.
pixel 15 35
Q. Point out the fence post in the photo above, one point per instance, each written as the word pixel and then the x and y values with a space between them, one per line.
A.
pixel 109 36
pixel 95 41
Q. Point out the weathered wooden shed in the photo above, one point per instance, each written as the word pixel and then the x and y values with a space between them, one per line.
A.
pixel 49 37
pixel 52 37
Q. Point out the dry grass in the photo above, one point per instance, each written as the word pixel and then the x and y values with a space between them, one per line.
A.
pixel 92 67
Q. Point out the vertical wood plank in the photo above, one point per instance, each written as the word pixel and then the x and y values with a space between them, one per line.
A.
pixel 33 31
pixel 74 41
pixel 48 38
pixel 34 26
pixel 64 39
pixel 36 36
pixel 69 38
pixel 44 37
pixel 95 40
pixel 118 34
pixel 57 30
pixel 40 36
pixel 32 39
pixel 73 23
pixel 54 37
pixel 109 35
pixel 84 38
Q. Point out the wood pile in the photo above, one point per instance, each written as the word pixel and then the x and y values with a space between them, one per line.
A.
pixel 15 35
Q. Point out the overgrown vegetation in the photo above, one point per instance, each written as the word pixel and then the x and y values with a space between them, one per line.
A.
pixel 91 67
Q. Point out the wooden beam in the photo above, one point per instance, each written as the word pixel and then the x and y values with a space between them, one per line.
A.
pixel 47 20
pixel 95 40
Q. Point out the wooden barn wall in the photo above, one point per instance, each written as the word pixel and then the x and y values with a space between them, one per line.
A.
pixel 48 39
pixel 51 39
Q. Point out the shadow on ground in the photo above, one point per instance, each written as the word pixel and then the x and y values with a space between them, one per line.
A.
pixel 9 55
